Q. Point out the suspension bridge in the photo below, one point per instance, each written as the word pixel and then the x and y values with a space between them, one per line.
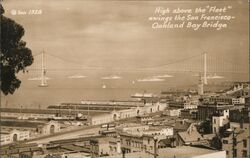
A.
pixel 203 65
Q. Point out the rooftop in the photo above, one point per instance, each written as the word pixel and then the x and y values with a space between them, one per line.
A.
pixel 178 152
pixel 191 137
pixel 21 124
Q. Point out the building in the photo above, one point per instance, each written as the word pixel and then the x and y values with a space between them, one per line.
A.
pixel 178 152
pixel 50 127
pixel 183 125
pixel 190 138
pixel 239 89
pixel 131 142
pixel 35 128
pixel 176 104
pixel 173 112
pixel 160 131
pixel 238 101
pixel 246 114
pixel 237 144
pixel 208 109
pixel 21 150
pixel 104 147
pixel 187 134
pixel 14 135
pixel 128 113
pixel 220 99
pixel 145 119
pixel 75 155
pixel 189 114
pixel 218 121
pixel 191 104
pixel 150 144
pixel 133 128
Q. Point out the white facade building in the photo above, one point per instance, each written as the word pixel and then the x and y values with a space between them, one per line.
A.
pixel 237 101
pixel 220 121
pixel 14 135
pixel 168 131
pixel 128 113
pixel 173 112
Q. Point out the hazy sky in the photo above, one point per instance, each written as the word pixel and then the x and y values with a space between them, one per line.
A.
pixel 118 34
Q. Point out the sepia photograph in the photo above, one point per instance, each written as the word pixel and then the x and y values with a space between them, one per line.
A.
pixel 124 79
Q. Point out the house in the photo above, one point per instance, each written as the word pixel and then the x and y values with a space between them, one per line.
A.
pixel 190 137
pixel 183 125
pixel 186 133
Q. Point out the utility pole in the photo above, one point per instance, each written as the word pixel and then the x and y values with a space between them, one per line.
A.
pixel 123 152
pixel 234 143
pixel 155 148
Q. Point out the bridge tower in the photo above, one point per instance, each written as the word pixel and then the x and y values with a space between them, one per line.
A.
pixel 203 80
pixel 43 73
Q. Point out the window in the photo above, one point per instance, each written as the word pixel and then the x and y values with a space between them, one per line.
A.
pixel 244 143
pixel 244 153
pixel 148 141
pixel 227 152
pixel 225 141
pixel 235 153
